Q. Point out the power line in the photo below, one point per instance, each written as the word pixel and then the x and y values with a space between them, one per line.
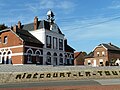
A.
pixel 89 25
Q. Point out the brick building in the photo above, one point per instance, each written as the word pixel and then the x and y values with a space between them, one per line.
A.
pixel 40 42
pixel 79 58
pixel 103 55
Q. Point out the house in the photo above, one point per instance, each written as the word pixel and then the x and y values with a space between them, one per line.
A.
pixel 103 55
pixel 79 58
pixel 40 42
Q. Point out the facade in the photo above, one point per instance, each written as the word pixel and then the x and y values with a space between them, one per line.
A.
pixel 40 42
pixel 103 55
pixel 79 58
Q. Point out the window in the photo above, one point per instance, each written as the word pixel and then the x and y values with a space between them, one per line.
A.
pixel 54 43
pixel 48 61
pixel 98 53
pixel 61 59
pixel 48 41
pixel 89 62
pixel 60 44
pixel 29 55
pixel 5 40
pixel 101 62
pixel 55 59
pixel 103 53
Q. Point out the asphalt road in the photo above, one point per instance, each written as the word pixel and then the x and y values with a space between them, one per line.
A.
pixel 64 83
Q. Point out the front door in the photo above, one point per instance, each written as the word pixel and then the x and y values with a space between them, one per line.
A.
pixel 94 63
pixel 55 61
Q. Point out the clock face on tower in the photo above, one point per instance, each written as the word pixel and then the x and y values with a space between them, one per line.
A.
pixel 54 28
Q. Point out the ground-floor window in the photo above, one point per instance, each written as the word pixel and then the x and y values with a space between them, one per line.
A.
pixel 61 59
pixel 29 55
pixel 5 57
pixel 39 60
pixel 29 60
pixel 55 60
pixel 48 58
pixel 89 62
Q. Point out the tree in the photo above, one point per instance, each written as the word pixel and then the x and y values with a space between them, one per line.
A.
pixel 2 26
pixel 84 53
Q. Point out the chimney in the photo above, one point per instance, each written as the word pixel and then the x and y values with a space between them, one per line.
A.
pixel 14 28
pixel 19 24
pixel 110 44
pixel 35 23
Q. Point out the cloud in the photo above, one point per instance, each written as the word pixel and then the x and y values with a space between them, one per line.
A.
pixel 87 33
pixel 114 5
pixel 93 29
pixel 51 4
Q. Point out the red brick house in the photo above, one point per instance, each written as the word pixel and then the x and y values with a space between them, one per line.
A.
pixel 40 42
pixel 79 58
pixel 103 55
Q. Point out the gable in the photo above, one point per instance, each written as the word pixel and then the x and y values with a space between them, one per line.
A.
pixel 99 48
pixel 12 38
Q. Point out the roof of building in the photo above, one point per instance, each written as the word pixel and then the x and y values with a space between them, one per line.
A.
pixel 76 54
pixel 27 36
pixel 110 46
pixel 69 48
pixel 41 24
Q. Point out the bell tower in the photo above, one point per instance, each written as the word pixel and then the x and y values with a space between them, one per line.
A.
pixel 50 16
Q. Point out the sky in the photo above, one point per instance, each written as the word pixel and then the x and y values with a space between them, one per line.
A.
pixel 85 23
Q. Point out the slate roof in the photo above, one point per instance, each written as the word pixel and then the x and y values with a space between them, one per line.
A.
pixel 28 37
pixel 110 46
pixel 41 24
pixel 69 48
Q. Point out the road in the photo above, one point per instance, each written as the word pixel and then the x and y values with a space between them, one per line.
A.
pixel 68 83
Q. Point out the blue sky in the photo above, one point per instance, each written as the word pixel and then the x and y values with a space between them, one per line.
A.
pixel 85 23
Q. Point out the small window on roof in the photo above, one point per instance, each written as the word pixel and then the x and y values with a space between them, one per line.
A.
pixel 5 40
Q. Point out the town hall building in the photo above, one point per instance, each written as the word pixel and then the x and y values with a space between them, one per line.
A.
pixel 40 42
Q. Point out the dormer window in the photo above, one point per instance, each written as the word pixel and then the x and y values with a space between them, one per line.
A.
pixel 5 40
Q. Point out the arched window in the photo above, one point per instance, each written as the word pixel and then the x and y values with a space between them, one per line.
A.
pixel 29 55
pixel 66 59
pixel 39 58
pixel 9 59
pixel 55 62
pixel 61 59
pixel 71 59
pixel 48 58
pixel 4 58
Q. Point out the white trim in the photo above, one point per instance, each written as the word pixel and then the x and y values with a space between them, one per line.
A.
pixel 16 35
pixel 12 47
pixel 18 64
pixel 30 50
pixel 12 32
pixel 100 60
pixel 38 51
pixel 17 54
pixel 89 61
pixel 99 46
